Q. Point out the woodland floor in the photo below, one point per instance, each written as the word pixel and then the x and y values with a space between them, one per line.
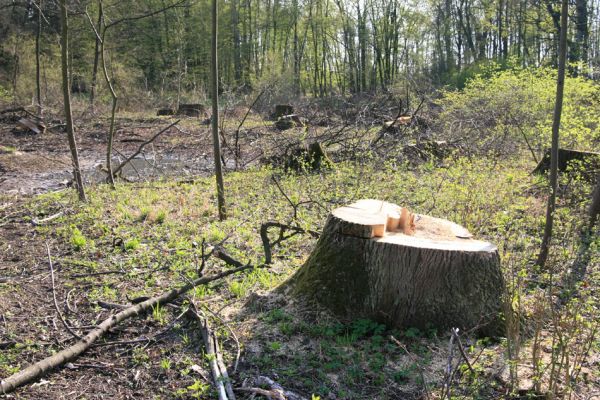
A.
pixel 145 236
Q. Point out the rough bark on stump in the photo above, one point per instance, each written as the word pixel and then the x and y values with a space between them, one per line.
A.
pixel 435 276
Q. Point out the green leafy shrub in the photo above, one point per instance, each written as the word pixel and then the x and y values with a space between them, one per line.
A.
pixel 500 112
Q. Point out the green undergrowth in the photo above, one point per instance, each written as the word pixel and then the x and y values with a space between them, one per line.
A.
pixel 153 234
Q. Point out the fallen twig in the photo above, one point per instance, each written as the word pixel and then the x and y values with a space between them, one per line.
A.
pixel 60 316
pixel 211 352
pixel 37 222
pixel 42 367
pixel 275 391
pixel 233 335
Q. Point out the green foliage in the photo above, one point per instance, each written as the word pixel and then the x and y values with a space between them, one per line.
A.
pixel 132 244
pixel 5 94
pixel 78 240
pixel 165 364
pixel 499 111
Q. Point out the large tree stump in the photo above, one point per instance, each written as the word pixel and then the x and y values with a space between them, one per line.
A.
pixel 377 260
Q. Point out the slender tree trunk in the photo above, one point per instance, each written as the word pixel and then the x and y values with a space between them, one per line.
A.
pixel 581 31
pixel 448 35
pixel 38 85
pixel 16 66
pixel 560 84
pixel 214 87
pixel 111 130
pixel 296 49
pixel 96 60
pixel 237 56
pixel 64 44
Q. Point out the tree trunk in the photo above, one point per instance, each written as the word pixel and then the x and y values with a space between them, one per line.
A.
pixel 64 44
pixel 96 59
pixel 38 85
pixel 371 262
pixel 581 32
pixel 560 86
pixel 214 88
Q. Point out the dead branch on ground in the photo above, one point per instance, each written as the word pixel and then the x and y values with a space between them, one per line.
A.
pixel 215 360
pixel 44 366
pixel 60 316
pixel 275 391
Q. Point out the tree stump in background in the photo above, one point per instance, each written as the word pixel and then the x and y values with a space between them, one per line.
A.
pixel 281 110
pixel 164 112
pixel 587 162
pixel 191 110
pixel 377 260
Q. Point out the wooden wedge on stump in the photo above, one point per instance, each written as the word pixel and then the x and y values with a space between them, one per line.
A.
pixel 377 260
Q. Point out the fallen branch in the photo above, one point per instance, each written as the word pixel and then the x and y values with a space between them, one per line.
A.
pixel 141 147
pixel 275 391
pixel 37 222
pixel 60 316
pixel 233 335
pixel 42 367
pixel 217 367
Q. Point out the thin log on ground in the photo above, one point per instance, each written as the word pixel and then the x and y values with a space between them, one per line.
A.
pixel 141 147
pixel 223 368
pixel 56 307
pixel 217 367
pixel 37 222
pixel 44 366
pixel 234 337
pixel 274 392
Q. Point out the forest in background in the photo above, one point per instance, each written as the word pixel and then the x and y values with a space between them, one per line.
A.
pixel 158 52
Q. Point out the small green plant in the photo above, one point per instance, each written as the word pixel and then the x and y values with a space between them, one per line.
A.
pixel 185 339
pixel 161 216
pixel 275 346
pixel 139 356
pixel 132 244
pixel 159 314
pixel 165 364
pixel 199 390
pixel 144 214
pixel 77 239
pixel 276 315
pixel 239 288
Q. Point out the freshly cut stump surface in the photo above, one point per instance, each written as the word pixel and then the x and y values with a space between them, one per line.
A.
pixel 377 260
